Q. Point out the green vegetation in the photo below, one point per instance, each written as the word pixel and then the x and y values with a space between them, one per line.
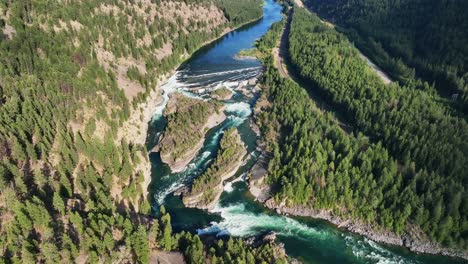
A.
pixel 317 164
pixel 428 35
pixel 230 154
pixel 186 124
pixel 222 93
pixel 70 190
pixel 234 251
pixel 270 39
pixel 240 12
pixel 216 251
pixel 248 53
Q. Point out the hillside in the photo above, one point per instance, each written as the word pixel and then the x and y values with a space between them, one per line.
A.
pixel 375 178
pixel 188 120
pixel 207 188
pixel 74 79
pixel 426 37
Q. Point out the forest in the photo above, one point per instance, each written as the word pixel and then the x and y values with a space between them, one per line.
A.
pixel 424 38
pixel 70 184
pixel 230 155
pixel 401 168
pixel 186 124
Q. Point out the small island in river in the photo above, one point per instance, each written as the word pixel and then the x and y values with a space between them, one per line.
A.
pixel 247 54
pixel 207 188
pixel 188 120
pixel 222 94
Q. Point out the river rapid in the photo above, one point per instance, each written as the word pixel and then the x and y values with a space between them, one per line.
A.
pixel 236 214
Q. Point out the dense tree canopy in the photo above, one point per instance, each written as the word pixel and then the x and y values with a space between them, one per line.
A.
pixel 428 35
pixel 70 186
pixel 410 169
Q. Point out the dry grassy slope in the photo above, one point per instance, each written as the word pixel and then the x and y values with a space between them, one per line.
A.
pixel 193 18
pixel 145 26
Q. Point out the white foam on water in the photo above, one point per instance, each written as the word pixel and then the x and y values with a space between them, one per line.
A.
pixel 371 251
pixel 169 87
pixel 207 162
pixel 241 109
pixel 159 197
pixel 233 84
pixel 180 178
pixel 216 137
pixel 235 121
pixel 237 221
pixel 223 72
pixel 205 154
pixel 190 95
pixel 228 187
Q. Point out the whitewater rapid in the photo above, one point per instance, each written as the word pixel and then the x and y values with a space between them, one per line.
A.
pixel 312 241
pixel 236 114
pixel 238 221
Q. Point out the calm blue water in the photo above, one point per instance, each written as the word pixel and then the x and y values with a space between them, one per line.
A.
pixel 311 241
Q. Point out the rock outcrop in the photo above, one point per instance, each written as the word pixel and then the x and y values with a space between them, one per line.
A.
pixel 188 121
pixel 413 238
pixel 207 189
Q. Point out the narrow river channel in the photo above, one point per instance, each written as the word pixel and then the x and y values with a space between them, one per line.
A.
pixel 236 214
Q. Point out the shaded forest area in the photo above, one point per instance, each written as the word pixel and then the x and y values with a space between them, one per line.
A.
pixel 404 167
pixel 407 38
pixel 70 184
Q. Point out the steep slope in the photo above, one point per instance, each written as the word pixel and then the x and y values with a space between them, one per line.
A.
pixel 427 35
pixel 397 116
pixel 356 181
pixel 76 78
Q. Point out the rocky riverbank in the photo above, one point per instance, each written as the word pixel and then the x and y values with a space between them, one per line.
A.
pixel 269 238
pixel 135 129
pixel 414 239
pixel 179 164
pixel 188 121
pixel 207 189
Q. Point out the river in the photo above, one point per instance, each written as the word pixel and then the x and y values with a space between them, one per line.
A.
pixel 236 214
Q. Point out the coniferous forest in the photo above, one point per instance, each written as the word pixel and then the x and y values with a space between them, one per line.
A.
pixel 75 77
pixel 401 165
pixel 424 38
pixel 71 185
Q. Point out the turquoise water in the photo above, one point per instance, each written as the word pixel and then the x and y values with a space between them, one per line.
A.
pixel 311 241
